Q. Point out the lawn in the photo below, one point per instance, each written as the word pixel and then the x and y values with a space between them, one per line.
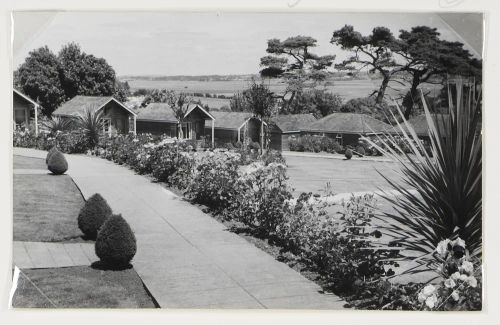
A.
pixel 310 174
pixel 80 287
pixel 45 207
pixel 21 162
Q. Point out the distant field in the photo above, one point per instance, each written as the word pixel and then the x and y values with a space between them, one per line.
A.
pixel 348 89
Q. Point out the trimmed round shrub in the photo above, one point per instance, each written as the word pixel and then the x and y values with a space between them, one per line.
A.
pixel 361 150
pixel 348 153
pixel 49 153
pixel 57 164
pixel 93 214
pixel 115 244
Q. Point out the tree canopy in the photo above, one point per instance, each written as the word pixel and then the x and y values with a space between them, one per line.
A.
pixel 52 80
pixel 39 77
pixel 292 60
pixel 373 51
pixel 428 57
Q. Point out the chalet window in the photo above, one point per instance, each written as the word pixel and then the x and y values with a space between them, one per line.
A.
pixel 20 116
pixel 106 125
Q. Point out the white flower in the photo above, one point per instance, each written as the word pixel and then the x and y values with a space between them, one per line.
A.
pixel 449 283
pixel 472 281
pixel 463 277
pixel 431 301
pixel 458 242
pixel 421 297
pixel 455 295
pixel 442 248
pixel 467 267
pixel 429 290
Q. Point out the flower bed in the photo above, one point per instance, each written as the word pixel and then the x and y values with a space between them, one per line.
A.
pixel 253 190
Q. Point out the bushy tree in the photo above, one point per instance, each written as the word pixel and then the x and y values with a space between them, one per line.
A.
pixel 262 103
pixel 238 103
pixel 318 102
pixel 180 103
pixel 85 74
pixel 122 91
pixel 428 58
pixel 39 77
pixel 52 80
pixel 155 96
pixel 373 51
pixel 292 61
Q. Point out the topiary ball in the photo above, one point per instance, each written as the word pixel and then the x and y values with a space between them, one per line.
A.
pixel 93 214
pixel 57 164
pixel 348 154
pixel 116 243
pixel 49 153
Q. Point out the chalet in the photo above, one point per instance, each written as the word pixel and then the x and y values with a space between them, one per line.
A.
pixel 25 111
pixel 236 127
pixel 159 118
pixel 289 125
pixel 347 128
pixel 117 118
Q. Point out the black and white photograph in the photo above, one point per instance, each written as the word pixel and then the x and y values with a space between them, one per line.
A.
pixel 244 160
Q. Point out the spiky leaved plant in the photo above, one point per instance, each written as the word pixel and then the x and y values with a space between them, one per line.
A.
pixel 91 125
pixel 445 200
pixel 58 124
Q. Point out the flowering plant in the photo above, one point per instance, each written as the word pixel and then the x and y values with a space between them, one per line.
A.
pixel 459 288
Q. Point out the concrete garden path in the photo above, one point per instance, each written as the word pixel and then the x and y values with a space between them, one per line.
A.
pixel 40 255
pixel 185 258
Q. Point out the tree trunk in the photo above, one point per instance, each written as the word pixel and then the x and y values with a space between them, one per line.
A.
pixel 411 97
pixel 381 90
pixel 180 134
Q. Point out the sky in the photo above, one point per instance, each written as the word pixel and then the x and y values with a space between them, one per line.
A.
pixel 161 43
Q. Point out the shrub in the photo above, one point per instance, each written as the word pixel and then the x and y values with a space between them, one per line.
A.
pixel 49 153
pixel 229 146
pixel 90 122
pixel 213 183
pixel 260 195
pixel 254 145
pixel 272 156
pixel 348 154
pixel 93 214
pixel 360 150
pixel 57 164
pixel 115 244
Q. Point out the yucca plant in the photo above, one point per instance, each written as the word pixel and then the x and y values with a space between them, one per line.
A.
pixel 440 193
pixel 58 124
pixel 91 125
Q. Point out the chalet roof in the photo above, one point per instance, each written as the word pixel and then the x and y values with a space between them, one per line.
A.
pixel 156 112
pixel 294 122
pixel 79 104
pixel 419 123
pixel 353 123
pixel 230 120
pixel 24 97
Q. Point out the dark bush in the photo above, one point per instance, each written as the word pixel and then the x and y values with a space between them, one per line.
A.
pixel 93 215
pixel 348 153
pixel 360 150
pixel 115 244
pixel 254 145
pixel 49 153
pixel 57 164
